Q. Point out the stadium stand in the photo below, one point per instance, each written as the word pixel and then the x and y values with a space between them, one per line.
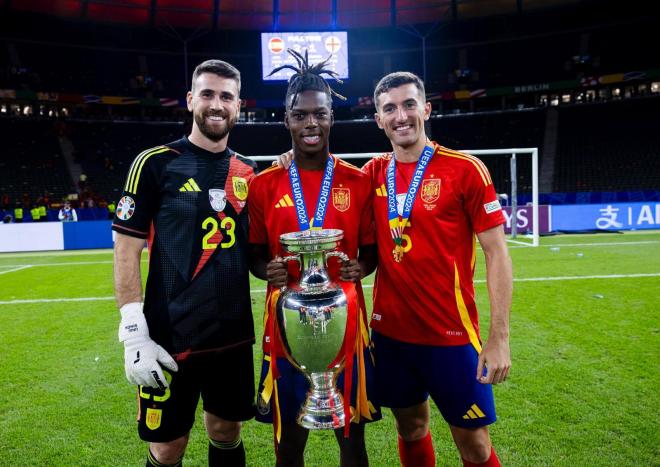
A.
pixel 143 57
pixel 609 147
pixel 105 150
pixel 31 162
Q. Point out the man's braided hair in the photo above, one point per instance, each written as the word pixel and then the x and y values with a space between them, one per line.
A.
pixel 308 78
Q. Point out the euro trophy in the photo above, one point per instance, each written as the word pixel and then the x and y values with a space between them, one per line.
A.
pixel 312 317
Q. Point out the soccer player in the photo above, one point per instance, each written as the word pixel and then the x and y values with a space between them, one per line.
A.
pixel 193 334
pixel 430 203
pixel 337 195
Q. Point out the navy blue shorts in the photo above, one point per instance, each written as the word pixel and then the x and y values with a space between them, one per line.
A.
pixel 292 388
pixel 407 374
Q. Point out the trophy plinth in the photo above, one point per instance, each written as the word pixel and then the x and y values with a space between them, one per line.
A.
pixel 312 317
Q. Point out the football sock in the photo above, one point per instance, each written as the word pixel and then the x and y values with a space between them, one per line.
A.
pixel 492 461
pixel 226 453
pixel 418 453
pixel 153 462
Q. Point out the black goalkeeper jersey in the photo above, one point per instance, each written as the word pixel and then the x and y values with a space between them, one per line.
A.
pixel 190 205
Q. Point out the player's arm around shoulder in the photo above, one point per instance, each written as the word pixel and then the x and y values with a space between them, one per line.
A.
pixel 496 354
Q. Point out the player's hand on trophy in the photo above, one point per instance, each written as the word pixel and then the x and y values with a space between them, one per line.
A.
pixel 142 356
pixel 496 359
pixel 284 160
pixel 350 271
pixel 277 272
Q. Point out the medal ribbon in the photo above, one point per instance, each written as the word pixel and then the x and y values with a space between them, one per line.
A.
pixel 398 223
pixel 321 203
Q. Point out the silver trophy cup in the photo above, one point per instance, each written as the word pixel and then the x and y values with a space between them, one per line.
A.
pixel 312 318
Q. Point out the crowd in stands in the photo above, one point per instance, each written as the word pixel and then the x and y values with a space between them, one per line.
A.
pixel 600 147
pixel 611 147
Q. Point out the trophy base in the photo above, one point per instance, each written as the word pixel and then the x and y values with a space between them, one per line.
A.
pixel 323 411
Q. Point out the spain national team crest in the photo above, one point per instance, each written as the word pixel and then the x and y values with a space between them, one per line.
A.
pixel 153 418
pixel 125 208
pixel 218 199
pixel 240 188
pixel 341 199
pixel 430 190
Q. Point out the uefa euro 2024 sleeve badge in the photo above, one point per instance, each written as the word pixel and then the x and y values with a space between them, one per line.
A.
pixel 125 208
pixel 218 199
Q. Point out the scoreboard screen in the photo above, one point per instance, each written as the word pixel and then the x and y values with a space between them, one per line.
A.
pixel 320 45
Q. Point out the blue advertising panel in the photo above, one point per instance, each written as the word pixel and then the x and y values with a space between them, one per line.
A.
pixel 320 45
pixel 615 216
pixel 88 234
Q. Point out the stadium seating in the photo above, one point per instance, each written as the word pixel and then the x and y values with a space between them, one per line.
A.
pixel 31 161
pixel 609 147
pixel 105 150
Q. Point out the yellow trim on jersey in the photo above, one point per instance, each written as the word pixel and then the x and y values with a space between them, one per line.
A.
pixel 473 260
pixel 470 156
pixel 348 165
pixel 463 312
pixel 272 168
pixel 136 168
pixel 483 171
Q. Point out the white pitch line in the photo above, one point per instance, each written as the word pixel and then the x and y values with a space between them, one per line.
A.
pixel 74 263
pixel 547 245
pixel 16 268
pixel 29 254
pixel 574 278
pixel 365 286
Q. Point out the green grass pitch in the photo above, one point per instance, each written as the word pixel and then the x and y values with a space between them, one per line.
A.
pixel 583 388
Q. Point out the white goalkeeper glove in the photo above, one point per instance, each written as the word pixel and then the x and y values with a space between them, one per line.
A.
pixel 141 354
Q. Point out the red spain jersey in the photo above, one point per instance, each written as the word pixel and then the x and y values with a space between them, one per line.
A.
pixel 272 211
pixel 428 297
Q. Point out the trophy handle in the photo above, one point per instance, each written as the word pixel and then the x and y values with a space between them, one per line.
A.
pixel 286 259
pixel 339 254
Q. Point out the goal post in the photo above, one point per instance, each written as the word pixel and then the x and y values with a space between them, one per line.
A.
pixel 512 153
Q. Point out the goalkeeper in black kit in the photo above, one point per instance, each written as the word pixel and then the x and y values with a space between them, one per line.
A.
pixel 192 334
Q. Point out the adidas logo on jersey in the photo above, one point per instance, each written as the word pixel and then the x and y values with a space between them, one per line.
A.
pixel 474 412
pixel 284 202
pixel 190 185
pixel 381 190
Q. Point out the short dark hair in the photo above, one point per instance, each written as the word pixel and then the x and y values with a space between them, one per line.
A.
pixel 307 78
pixel 220 68
pixel 396 79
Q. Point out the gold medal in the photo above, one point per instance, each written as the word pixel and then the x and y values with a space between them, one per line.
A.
pixel 398 253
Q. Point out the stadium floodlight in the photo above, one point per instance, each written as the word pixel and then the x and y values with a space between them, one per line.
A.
pixel 531 181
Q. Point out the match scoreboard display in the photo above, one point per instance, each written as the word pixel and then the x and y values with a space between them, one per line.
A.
pixel 320 45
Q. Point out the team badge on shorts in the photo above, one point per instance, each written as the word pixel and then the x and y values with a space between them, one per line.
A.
pixel 262 406
pixel 218 199
pixel 341 199
pixel 240 188
pixel 430 190
pixel 125 208
pixel 153 418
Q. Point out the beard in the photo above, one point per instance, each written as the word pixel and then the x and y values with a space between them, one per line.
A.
pixel 214 133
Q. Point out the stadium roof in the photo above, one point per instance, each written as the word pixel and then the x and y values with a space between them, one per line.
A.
pixel 268 15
